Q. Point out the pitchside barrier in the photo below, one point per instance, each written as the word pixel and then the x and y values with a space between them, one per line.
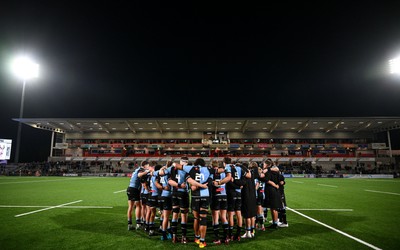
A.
pixel 98 174
pixel 355 176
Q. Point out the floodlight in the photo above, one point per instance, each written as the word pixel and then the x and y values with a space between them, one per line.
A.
pixel 394 65
pixel 24 68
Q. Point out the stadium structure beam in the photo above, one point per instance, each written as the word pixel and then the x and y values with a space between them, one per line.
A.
pixel 72 126
pixel 56 127
pixel 335 126
pixel 107 129
pixel 159 126
pixel 390 145
pixel 304 126
pixel 187 126
pixel 130 126
pixel 244 126
pixel 274 126
pixel 363 126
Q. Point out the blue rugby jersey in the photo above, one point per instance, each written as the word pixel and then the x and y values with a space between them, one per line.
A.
pixel 147 181
pixel 179 176
pixel 202 175
pixel 135 180
pixel 218 191
pixel 164 183
pixel 236 172
pixel 153 188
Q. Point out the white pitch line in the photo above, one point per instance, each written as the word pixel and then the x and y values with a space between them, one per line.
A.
pixel 13 206
pixel 325 209
pixel 66 179
pixel 120 191
pixel 368 180
pixel 84 207
pixel 327 185
pixel 17 206
pixel 298 182
pixel 336 230
pixel 44 209
pixel 380 192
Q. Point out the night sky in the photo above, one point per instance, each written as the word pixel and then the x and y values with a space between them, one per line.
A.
pixel 192 59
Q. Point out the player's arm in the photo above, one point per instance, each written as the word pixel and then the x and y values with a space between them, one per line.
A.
pixel 162 171
pixel 145 186
pixel 282 180
pixel 158 184
pixel 172 183
pixel 228 178
pixel 273 184
pixel 195 183
pixel 143 173
pixel 228 175
pixel 247 173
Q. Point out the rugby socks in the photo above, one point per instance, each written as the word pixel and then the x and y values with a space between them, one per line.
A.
pixel 130 222
pixel 161 222
pixel 164 235
pixel 284 221
pixel 265 213
pixel 184 229
pixel 216 231
pixel 174 227
pixel 225 232
pixel 238 231
pixel 260 219
pixel 230 229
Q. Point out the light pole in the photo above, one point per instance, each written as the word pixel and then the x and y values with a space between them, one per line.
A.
pixel 23 68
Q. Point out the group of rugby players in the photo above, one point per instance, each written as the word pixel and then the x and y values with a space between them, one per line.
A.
pixel 229 189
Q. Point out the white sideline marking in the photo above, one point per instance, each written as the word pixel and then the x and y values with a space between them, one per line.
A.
pixel 381 180
pixel 21 206
pixel 120 191
pixel 336 230
pixel 40 210
pixel 325 209
pixel 327 185
pixel 17 206
pixel 373 191
pixel 84 207
pixel 298 182
pixel 18 182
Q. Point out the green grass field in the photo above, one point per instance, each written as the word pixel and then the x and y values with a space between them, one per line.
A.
pixel 96 217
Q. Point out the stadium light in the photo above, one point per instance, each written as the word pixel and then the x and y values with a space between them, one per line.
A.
pixel 23 68
pixel 394 65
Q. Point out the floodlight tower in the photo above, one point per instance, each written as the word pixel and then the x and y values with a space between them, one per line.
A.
pixel 24 69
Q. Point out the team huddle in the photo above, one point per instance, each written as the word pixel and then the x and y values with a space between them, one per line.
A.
pixel 228 189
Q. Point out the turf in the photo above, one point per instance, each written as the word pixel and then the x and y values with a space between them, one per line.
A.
pixel 374 217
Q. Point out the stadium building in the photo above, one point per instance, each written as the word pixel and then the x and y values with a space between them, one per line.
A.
pixel 331 143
